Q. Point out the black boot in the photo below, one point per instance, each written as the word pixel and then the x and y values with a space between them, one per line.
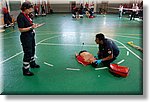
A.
pixel 34 65
pixel 26 72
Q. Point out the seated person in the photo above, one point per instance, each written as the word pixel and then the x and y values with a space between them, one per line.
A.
pixel 75 13
pixel 89 13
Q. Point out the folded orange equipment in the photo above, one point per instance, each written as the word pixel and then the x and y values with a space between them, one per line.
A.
pixel 116 69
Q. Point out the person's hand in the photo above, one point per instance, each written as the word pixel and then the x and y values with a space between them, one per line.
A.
pixel 34 26
pixel 98 61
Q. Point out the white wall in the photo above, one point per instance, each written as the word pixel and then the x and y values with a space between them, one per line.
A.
pixel 80 1
pixel 98 1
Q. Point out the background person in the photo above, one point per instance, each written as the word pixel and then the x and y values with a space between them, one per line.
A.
pixel 7 18
pixel 120 10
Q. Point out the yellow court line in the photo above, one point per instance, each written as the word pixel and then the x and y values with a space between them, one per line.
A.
pixel 135 34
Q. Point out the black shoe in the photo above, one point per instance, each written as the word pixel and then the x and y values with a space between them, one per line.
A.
pixel 35 66
pixel 26 72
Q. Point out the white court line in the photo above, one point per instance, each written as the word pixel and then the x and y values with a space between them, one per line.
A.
pixel 54 44
pixel 128 49
pixel 72 69
pixel 70 33
pixel 121 61
pixel 127 37
pixel 101 68
pixel 66 33
pixel 48 64
pixel 58 36
pixel 22 51
pixel 47 39
pixel 127 53
pixel 11 57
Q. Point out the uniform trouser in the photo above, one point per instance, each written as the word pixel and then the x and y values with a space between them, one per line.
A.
pixel 28 45
pixel 92 10
pixel 7 19
pixel 133 14
pixel 120 13
pixel 107 63
pixel 43 11
pixel 36 12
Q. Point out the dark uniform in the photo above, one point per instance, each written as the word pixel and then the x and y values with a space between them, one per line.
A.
pixel 27 40
pixel 7 17
pixel 43 9
pixel 107 49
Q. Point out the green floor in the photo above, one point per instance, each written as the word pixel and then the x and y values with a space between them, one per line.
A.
pixel 57 41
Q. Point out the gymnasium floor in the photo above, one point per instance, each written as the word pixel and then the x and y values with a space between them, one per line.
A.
pixel 57 41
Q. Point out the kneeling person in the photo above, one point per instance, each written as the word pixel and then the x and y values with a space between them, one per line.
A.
pixel 108 50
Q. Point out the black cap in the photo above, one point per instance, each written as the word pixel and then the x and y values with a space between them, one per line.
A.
pixel 26 5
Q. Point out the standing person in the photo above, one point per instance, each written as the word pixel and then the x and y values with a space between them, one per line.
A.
pixel 120 10
pixel 36 10
pixel 108 50
pixel 27 39
pixel 124 10
pixel 134 11
pixel 141 10
pixel 92 7
pixel 81 9
pixel 86 6
pixel 43 9
pixel 74 10
pixel 7 18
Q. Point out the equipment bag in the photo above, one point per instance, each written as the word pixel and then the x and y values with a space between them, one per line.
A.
pixel 118 70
